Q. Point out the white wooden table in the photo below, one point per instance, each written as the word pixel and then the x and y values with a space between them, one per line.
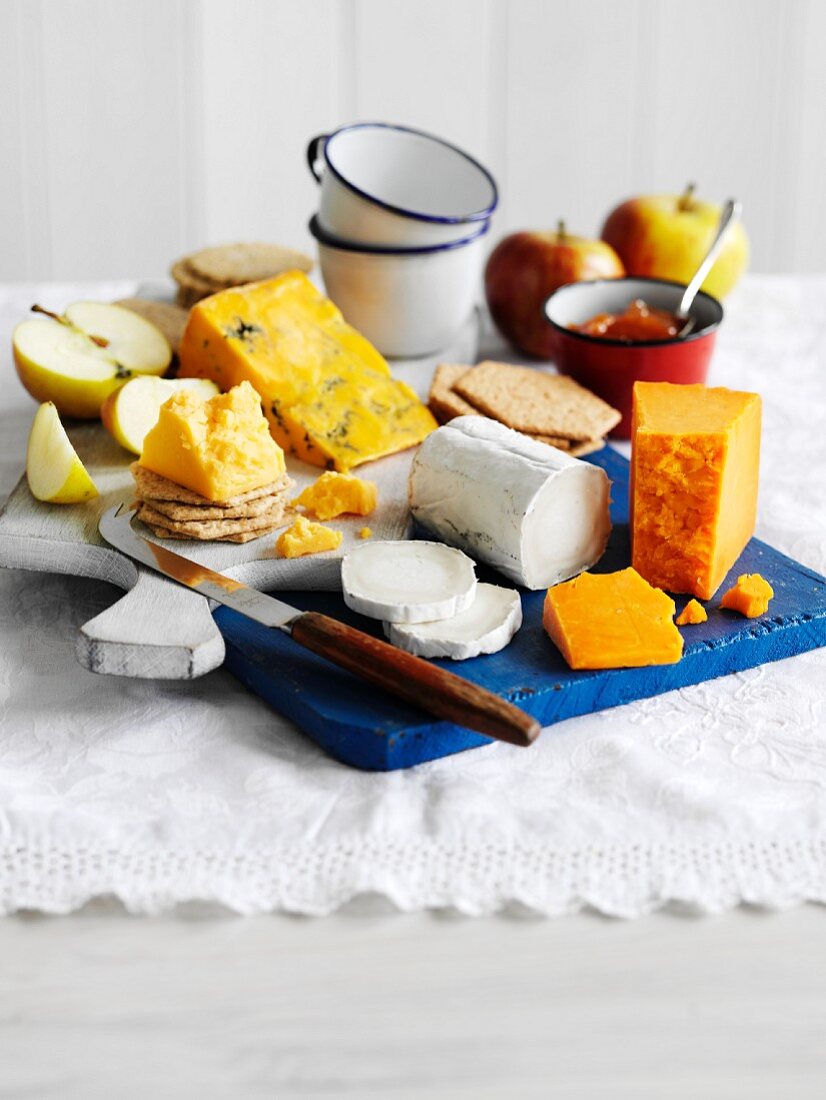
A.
pixel 101 1005
pixel 373 1003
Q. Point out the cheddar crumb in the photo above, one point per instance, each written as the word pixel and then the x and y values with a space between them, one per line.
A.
pixel 306 537
pixel 365 533
pixel 335 494
pixel 750 596
pixel 691 614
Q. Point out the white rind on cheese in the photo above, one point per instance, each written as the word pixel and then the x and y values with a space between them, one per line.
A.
pixel 485 627
pixel 529 510
pixel 408 582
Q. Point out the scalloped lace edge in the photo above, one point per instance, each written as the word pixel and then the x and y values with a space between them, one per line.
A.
pixel 475 879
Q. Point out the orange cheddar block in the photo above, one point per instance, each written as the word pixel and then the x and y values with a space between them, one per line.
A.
pixel 328 395
pixel 691 614
pixel 306 537
pixel 750 596
pixel 695 456
pixel 335 494
pixel 219 447
pixel 612 620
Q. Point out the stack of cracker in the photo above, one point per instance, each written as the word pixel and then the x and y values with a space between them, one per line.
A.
pixel 212 269
pixel 551 408
pixel 173 512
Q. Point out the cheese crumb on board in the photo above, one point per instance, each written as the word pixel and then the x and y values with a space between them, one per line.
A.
pixel 750 596
pixel 328 395
pixel 334 494
pixel 305 537
pixel 218 447
pixel 692 614
pixel 366 533
pixel 612 620
pixel 695 454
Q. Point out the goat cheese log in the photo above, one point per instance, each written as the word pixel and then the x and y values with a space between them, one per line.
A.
pixel 535 514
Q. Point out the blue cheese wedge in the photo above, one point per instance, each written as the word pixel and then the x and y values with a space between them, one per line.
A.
pixel 529 510
pixel 485 627
pixel 408 582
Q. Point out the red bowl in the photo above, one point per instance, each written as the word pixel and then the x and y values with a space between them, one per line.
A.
pixel 611 367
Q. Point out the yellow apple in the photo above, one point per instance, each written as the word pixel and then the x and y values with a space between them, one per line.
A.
pixel 666 237
pixel 130 412
pixel 54 471
pixel 76 359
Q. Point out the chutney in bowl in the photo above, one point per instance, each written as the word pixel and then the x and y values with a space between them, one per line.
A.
pixel 610 367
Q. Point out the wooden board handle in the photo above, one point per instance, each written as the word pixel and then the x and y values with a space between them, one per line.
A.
pixel 426 686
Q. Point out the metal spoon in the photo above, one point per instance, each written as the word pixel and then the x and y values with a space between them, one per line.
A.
pixel 731 214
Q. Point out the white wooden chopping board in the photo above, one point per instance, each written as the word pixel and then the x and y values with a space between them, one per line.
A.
pixel 159 629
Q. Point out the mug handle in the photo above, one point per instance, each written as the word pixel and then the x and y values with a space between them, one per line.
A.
pixel 313 153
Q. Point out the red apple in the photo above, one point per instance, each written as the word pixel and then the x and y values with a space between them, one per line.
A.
pixel 666 237
pixel 526 268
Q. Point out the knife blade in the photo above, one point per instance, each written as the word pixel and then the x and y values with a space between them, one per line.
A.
pixel 413 679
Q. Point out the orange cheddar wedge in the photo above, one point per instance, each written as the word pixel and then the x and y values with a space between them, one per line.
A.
pixel 612 620
pixel 750 596
pixel 695 456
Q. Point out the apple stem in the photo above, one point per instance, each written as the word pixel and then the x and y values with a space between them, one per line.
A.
pixel 560 229
pixel 686 199
pixel 99 340
pixel 48 313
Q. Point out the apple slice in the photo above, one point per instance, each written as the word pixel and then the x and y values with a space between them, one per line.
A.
pixel 78 358
pixel 130 412
pixel 53 469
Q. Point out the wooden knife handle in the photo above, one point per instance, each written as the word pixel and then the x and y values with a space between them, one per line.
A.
pixel 426 686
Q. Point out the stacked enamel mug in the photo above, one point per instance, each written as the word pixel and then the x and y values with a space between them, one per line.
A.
pixel 400 231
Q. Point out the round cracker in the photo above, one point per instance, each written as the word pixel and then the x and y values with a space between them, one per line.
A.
pixel 235 264
pixel 191 288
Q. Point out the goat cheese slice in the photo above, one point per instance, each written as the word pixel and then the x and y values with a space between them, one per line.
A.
pixel 529 510
pixel 408 582
pixel 485 627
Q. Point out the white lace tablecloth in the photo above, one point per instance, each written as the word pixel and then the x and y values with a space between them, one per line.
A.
pixel 160 793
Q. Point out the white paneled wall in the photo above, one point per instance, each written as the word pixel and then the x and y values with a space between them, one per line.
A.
pixel 133 130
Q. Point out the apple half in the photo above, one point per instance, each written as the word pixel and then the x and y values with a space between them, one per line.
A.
pixel 76 359
pixel 53 470
pixel 130 412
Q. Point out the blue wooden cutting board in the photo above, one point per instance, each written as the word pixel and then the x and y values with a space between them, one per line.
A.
pixel 369 729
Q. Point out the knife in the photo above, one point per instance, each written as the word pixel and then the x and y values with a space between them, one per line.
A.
pixel 442 693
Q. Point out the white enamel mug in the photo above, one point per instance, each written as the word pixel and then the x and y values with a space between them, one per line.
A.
pixel 395 186
pixel 407 302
